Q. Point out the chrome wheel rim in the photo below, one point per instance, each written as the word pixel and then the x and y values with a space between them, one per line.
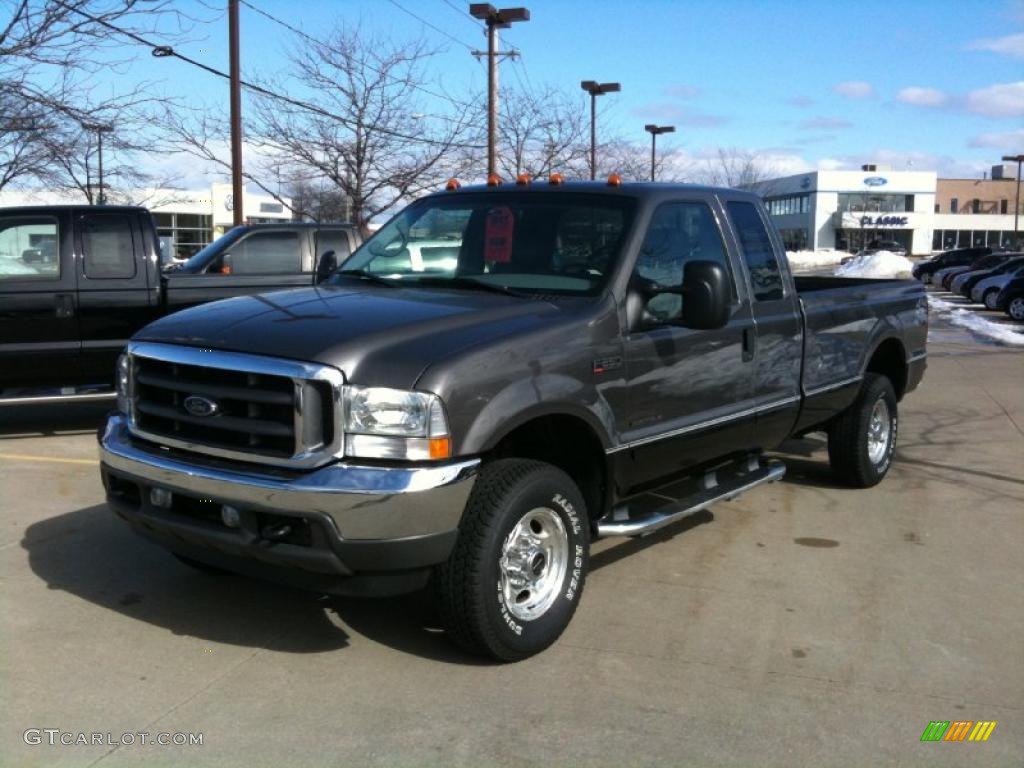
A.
pixel 1017 309
pixel 990 299
pixel 533 564
pixel 879 431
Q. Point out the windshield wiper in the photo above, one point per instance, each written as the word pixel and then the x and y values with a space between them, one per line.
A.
pixel 467 282
pixel 362 274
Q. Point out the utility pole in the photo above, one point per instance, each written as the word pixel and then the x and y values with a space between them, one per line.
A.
pixel 494 19
pixel 1016 204
pixel 235 75
pixel 596 89
pixel 655 130
pixel 99 129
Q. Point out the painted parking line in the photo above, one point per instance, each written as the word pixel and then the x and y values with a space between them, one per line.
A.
pixel 53 459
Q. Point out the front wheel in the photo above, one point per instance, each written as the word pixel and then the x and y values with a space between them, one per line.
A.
pixel 1015 308
pixel 515 576
pixel 862 439
pixel 989 299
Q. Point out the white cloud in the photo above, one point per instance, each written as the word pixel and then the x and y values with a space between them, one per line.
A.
pixel 824 124
pixel 854 89
pixel 1010 45
pixel 1010 140
pixel 922 97
pixel 999 100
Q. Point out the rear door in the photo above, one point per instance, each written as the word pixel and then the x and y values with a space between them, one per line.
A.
pixel 690 392
pixel 113 291
pixel 262 260
pixel 39 341
pixel 777 346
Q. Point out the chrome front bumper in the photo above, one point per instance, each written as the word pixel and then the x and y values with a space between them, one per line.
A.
pixel 361 502
pixel 343 528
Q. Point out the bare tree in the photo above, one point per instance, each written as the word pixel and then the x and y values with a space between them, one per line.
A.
pixel 540 132
pixel 738 168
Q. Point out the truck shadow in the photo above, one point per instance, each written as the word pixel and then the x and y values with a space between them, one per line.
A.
pixel 93 555
pixel 52 419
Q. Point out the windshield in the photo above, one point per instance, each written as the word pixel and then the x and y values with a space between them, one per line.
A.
pixel 199 260
pixel 558 243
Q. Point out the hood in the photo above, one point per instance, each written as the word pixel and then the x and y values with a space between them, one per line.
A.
pixel 377 335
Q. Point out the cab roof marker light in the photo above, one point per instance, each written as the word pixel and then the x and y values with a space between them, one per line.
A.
pixel 555 179
pixel 614 180
pixel 453 185
pixel 523 179
pixel 493 180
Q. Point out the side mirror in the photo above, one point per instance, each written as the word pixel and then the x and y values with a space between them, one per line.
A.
pixel 327 264
pixel 706 295
pixel 225 264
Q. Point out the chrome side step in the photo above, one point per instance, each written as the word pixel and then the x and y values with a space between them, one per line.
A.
pixel 646 513
pixel 89 397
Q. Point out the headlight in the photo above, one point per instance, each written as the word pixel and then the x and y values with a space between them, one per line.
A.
pixel 382 423
pixel 122 382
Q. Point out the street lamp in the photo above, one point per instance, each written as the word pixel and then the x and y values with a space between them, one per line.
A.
pixel 654 130
pixel 99 129
pixel 596 89
pixel 495 19
pixel 1016 205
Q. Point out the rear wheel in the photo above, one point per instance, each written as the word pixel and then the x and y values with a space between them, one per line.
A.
pixel 862 439
pixel 517 571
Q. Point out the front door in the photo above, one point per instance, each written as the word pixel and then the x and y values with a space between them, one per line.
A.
pixel 689 391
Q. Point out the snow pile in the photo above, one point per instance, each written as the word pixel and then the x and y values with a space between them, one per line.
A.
pixel 881 264
pixel 10 265
pixel 975 323
pixel 804 260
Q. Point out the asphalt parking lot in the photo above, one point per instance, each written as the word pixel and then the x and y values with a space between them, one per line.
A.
pixel 803 624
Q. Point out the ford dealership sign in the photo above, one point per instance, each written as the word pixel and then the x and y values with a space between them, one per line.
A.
pixel 876 181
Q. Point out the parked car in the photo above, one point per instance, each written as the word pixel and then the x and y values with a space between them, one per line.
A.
pixel 601 360
pixel 924 270
pixel 1011 298
pixel 964 283
pixel 64 320
pixel 986 291
pixel 944 277
pixel 883 245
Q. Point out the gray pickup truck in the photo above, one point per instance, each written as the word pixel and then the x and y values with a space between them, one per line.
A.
pixel 498 377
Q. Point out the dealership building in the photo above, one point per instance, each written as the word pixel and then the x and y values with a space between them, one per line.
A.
pixel 847 210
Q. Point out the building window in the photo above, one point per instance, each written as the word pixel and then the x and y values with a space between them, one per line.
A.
pixel 954 205
pixel 786 206
pixel 975 205
pixel 187 233
pixel 860 202
pixel 936 207
pixel 1003 206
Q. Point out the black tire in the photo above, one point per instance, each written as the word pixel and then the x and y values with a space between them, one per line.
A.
pixel 848 437
pixel 468 587
pixel 990 295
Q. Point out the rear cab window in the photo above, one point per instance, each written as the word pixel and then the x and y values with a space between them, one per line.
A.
pixel 758 252
pixel 29 248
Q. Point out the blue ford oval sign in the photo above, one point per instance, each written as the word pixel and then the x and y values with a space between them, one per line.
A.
pixel 876 181
pixel 200 406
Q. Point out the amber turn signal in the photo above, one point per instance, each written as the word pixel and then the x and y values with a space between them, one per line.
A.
pixel 440 447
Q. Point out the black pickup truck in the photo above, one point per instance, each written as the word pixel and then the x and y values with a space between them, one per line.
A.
pixel 586 360
pixel 77 281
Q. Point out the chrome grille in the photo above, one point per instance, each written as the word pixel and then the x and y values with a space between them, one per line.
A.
pixel 263 410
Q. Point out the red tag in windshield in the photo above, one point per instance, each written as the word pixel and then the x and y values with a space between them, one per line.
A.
pixel 498 235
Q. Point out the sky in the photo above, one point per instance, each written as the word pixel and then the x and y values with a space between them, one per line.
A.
pixel 922 84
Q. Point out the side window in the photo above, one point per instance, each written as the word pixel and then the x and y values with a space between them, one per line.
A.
pixel 332 240
pixel 678 233
pixel 108 247
pixel 29 248
pixel 266 253
pixel 762 261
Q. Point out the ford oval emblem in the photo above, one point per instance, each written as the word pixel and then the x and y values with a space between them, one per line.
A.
pixel 198 405
pixel 876 181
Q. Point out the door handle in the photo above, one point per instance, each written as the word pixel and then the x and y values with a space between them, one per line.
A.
pixel 749 344
pixel 65 305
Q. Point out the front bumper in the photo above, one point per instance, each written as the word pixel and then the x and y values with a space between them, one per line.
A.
pixel 351 528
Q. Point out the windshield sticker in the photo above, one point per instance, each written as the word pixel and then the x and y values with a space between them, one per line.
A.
pixel 498 235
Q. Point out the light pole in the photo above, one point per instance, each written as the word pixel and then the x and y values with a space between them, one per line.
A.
pixel 99 129
pixel 596 89
pixel 235 101
pixel 654 130
pixel 1016 204
pixel 494 19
